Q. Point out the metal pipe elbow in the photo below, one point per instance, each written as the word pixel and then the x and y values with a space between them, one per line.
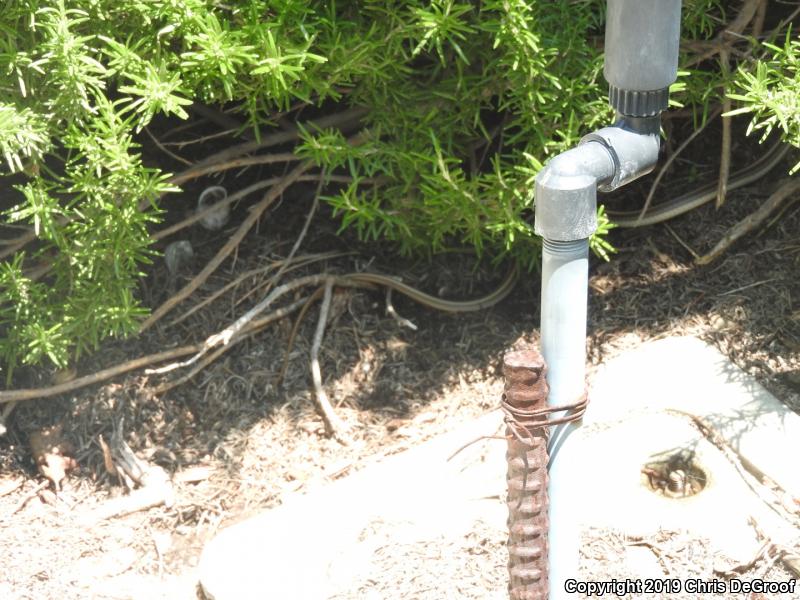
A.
pixel 566 192
pixel 566 189
pixel 633 144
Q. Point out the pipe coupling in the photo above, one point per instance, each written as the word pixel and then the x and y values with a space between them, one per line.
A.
pixel 566 192
pixel 633 146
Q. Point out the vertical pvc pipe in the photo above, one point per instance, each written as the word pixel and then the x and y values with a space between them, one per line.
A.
pixel 565 281
pixel 565 284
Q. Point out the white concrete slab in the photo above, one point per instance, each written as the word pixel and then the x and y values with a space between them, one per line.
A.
pixel 315 546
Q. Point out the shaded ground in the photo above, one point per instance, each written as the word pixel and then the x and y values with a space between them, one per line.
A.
pixel 258 440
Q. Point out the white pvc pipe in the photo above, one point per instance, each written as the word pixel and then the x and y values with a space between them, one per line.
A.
pixel 565 283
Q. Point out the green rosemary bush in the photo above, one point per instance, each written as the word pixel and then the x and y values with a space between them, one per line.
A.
pixel 466 101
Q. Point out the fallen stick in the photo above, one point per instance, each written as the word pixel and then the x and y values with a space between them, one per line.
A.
pixel 252 329
pixel 234 163
pixel 733 29
pixel 751 475
pixel 233 242
pixel 345 120
pixel 334 426
pixel 302 261
pixel 786 188
pixel 293 333
pixel 239 194
pixel 671 158
pixel 30 496
pixel 725 146
pixel 79 382
pixel 155 487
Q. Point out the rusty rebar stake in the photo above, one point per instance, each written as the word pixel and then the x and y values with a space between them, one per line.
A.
pixel 525 407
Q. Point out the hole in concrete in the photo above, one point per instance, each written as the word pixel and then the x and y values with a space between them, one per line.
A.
pixel 677 475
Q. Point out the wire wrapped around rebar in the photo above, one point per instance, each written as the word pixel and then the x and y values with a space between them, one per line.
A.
pixel 527 418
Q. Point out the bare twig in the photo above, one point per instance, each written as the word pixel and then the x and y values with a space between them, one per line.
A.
pixel 285 264
pixel 300 262
pixel 21 241
pixel 655 549
pixel 253 328
pixel 747 287
pixel 303 231
pixel 296 264
pixel 334 426
pixel 785 190
pixel 732 31
pixel 144 498
pixel 245 161
pixel 255 214
pixel 238 195
pixel 769 551
pixel 229 333
pixel 680 241
pixel 199 140
pixel 725 150
pixel 30 496
pixel 293 333
pixel 198 215
pixel 233 242
pixel 229 158
pixel 11 487
pixel 779 215
pixel 131 365
pixel 667 163
pixel 758 21
pixel 345 120
pixel 166 151
pixel 751 475
pixel 403 322
pixel 222 119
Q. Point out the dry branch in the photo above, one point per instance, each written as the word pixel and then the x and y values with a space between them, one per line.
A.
pixel 165 150
pixel 235 163
pixel 667 163
pixel 345 121
pixel 334 426
pixel 732 31
pixel 786 188
pixel 255 214
pixel 293 333
pixel 252 329
pixel 131 365
pixel 303 261
pixel 225 336
pixel 725 150
pixel 222 119
pixel 238 195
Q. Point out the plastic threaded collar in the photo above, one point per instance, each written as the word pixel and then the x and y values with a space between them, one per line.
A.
pixel 638 104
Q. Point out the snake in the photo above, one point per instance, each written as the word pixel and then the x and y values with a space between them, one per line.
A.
pixel 657 214
pixel 626 219
pixel 699 196
pixel 367 279
pixel 452 306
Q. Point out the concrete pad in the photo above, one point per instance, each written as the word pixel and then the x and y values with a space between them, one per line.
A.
pixel 316 546
pixel 630 423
